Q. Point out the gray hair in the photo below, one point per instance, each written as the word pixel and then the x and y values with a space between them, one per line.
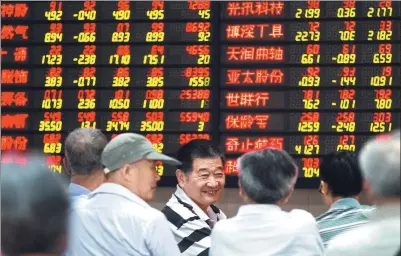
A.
pixel 34 208
pixel 380 164
pixel 267 176
pixel 83 150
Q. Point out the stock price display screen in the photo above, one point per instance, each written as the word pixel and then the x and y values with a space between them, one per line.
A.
pixel 309 77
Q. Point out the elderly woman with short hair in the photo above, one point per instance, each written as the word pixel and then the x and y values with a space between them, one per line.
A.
pixel 261 228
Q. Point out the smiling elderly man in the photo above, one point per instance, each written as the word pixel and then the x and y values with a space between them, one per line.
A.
pixel 191 211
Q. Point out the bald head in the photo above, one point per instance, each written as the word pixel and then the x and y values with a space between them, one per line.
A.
pixel 83 150
pixel 34 209
pixel 380 163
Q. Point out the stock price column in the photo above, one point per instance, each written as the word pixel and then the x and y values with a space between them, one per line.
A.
pixel 309 77
pixel 17 81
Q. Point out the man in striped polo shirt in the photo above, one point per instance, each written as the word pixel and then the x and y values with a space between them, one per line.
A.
pixel 341 183
pixel 380 163
pixel 191 211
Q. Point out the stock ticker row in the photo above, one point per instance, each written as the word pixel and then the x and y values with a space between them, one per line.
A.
pixel 310 77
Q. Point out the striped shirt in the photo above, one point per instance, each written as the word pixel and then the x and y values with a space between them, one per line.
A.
pixel 345 214
pixel 190 225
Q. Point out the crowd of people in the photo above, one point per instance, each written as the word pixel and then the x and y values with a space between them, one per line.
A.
pixel 104 209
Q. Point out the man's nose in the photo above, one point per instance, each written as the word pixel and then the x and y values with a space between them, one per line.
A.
pixel 212 182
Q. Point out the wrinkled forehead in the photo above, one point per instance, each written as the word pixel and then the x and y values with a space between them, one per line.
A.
pixel 207 164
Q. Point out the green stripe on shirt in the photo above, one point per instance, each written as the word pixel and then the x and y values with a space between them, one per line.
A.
pixel 345 214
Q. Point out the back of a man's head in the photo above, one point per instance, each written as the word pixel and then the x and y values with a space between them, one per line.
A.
pixel 34 209
pixel 380 163
pixel 267 176
pixel 83 150
pixel 340 171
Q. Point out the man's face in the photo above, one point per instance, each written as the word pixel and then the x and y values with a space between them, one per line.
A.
pixel 145 179
pixel 206 181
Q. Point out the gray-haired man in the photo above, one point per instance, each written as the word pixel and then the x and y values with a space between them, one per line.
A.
pixel 380 164
pixel 83 150
pixel 115 218
pixel 267 179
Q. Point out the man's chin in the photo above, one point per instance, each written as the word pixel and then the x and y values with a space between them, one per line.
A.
pixel 211 198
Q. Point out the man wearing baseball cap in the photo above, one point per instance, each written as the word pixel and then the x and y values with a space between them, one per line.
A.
pixel 115 218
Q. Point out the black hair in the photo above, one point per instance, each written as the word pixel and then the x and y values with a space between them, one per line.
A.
pixel 196 149
pixel 340 170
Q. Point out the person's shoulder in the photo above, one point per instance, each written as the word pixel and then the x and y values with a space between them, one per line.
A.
pixel 302 215
pixel 78 202
pixel 174 208
pixel 146 212
pixel 368 207
pixel 301 221
pixel 172 202
pixel 348 241
pixel 367 210
pixel 324 215
pixel 225 226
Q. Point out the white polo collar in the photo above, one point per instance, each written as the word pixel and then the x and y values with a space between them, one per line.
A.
pixel 252 209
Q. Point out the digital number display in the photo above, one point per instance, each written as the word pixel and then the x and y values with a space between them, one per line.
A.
pixel 310 77
pixel 155 32
pixel 305 122
pixel 343 99
pixel 312 54
pixel 120 99
pixel 112 11
pixel 166 143
pixel 118 78
pixel 273 10
pixel 308 167
pixel 149 55
pixel 109 121
pixel 298 145
pixel 313 31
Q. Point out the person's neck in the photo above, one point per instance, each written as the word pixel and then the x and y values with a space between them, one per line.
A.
pixel 337 198
pixel 248 201
pixel 91 182
pixel 202 207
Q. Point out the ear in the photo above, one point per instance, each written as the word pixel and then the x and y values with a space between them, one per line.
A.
pixel 126 172
pixel 241 191
pixel 325 188
pixel 288 196
pixel 180 177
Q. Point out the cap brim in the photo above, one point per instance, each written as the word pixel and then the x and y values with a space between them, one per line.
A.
pixel 160 157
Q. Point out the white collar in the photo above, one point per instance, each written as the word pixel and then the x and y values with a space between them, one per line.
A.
pixel 182 196
pixel 117 189
pixel 251 209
